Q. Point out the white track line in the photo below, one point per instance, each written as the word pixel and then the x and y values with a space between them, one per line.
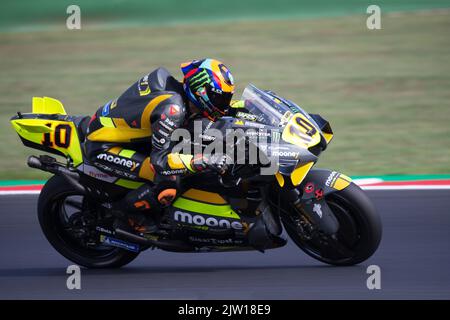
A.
pixel 361 182
pixel 410 187
pixel 369 188
pixel 18 192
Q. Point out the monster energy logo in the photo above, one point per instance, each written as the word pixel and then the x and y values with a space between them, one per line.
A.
pixel 200 80
pixel 276 136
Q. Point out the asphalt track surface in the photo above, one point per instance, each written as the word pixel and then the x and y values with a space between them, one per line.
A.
pixel 414 258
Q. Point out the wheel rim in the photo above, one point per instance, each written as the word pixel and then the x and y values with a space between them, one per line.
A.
pixel 347 238
pixel 61 211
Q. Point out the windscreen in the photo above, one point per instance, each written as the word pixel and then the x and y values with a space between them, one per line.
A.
pixel 270 109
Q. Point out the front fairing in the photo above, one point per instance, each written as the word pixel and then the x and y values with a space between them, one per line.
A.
pixel 285 132
pixel 299 130
pixel 268 139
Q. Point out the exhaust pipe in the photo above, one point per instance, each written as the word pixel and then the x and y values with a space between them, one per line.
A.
pixel 34 162
pixel 49 164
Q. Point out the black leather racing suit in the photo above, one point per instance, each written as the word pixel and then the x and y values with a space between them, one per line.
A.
pixel 130 138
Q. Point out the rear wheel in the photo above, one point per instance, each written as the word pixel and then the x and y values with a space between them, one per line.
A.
pixel 68 222
pixel 359 233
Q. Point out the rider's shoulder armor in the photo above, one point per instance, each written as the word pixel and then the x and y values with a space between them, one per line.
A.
pixel 161 80
pixel 153 96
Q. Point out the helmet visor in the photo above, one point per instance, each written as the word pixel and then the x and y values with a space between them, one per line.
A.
pixel 219 100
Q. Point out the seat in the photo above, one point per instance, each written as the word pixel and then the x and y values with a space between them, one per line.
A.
pixel 82 124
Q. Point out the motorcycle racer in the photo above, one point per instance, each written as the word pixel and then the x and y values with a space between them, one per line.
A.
pixel 129 137
pixel 79 208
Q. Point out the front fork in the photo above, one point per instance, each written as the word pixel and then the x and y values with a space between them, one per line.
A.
pixel 315 210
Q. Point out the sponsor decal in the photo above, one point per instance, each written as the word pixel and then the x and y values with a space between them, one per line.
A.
pixel 285 118
pixel 143 86
pixel 276 135
pixel 104 167
pixel 199 81
pixel 246 116
pixel 165 126
pixel 317 208
pixel 216 90
pixel 170 122
pixel 143 193
pixel 119 161
pixel 318 194
pixel 207 137
pixel 254 124
pixel 214 241
pixel 106 108
pixel 115 172
pixel 163 133
pixel 96 173
pixel 200 220
pixel 119 243
pixel 259 133
pixel 173 172
pixel 174 109
pixel 289 154
pixel 331 179
pixel 247 226
pixel 114 104
pixel 209 125
pixel 294 109
pixel 309 187
pixel 101 229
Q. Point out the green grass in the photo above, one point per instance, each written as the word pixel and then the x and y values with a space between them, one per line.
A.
pixel 385 92
pixel 44 14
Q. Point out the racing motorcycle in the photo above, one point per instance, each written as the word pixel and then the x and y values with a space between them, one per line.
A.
pixel 324 213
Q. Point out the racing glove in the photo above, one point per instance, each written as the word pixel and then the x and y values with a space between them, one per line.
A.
pixel 214 162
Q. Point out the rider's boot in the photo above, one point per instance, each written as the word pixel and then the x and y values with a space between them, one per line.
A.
pixel 143 206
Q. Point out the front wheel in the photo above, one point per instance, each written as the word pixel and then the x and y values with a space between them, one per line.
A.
pixel 359 232
pixel 68 222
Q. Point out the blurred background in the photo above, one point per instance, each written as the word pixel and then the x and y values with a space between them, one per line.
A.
pixel 385 92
